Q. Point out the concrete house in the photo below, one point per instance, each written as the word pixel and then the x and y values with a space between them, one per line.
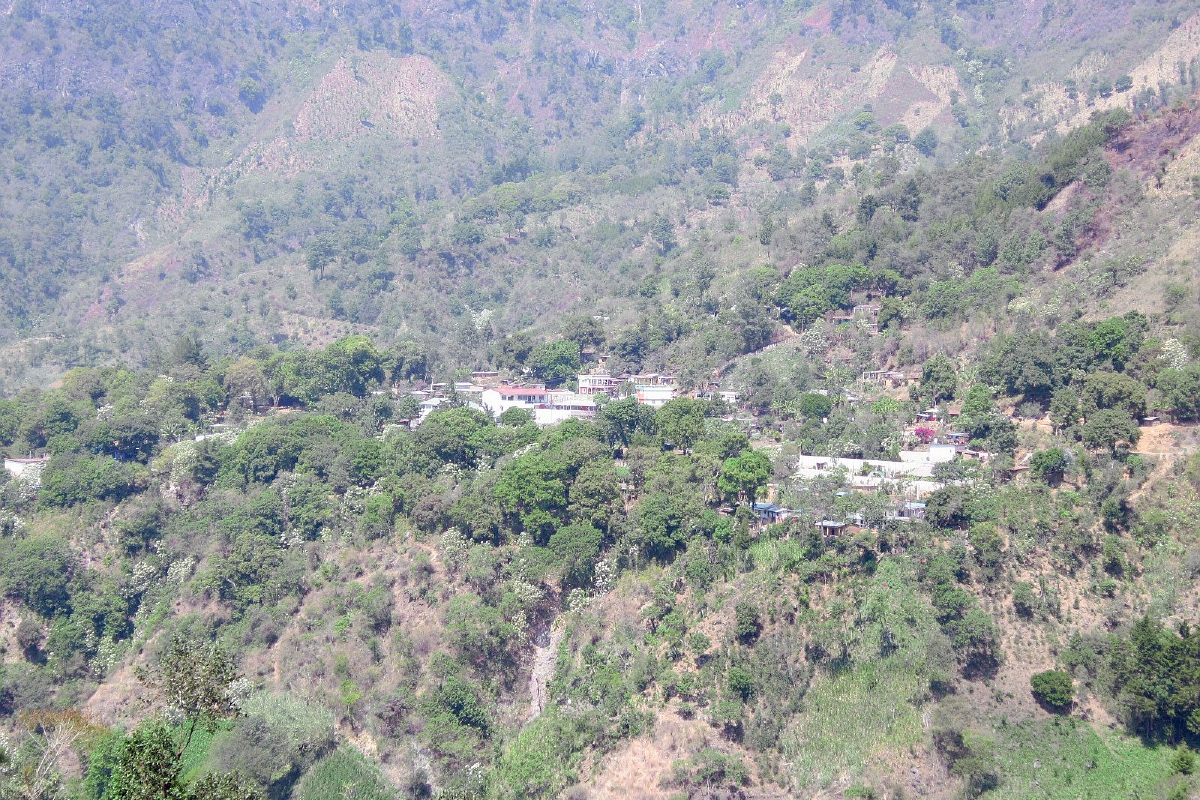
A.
pixel 29 469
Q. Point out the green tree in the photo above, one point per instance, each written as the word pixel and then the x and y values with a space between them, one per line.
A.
pixel 458 436
pixel 319 252
pixel 197 684
pixel 584 330
pixel 661 519
pixel 1117 340
pixel 939 380
pixel 621 419
pixel 1181 391
pixel 1184 760
pixel 744 475
pixel 188 349
pixel 1108 426
pixel 1024 364
pixel 741 682
pixel 554 362
pixel 978 401
pixel 1053 688
pixel 70 479
pixel 662 232
pixel 747 622
pixel 681 421
pixel 1050 465
pixel 926 141
pixel 1113 390
pixel 815 406
pixel 532 492
pixel 148 765
pixel 577 548
pixel 38 571
pixel 1025 602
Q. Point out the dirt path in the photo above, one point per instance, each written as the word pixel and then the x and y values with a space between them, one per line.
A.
pixel 1167 442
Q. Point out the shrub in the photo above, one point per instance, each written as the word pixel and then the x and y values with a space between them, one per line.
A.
pixel 1184 760
pixel 709 769
pixel 308 728
pixel 1053 688
pixel 1024 600
pixel 815 406
pixel 741 682
pixel 257 749
pixel 1050 465
pixel 68 481
pixel 38 571
pixel 480 634
pixel 343 773
pixel 746 624
pixel 459 699
pixel 1030 410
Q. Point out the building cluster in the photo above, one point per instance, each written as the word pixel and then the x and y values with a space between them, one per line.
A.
pixel 911 476
pixel 909 480
pixel 488 392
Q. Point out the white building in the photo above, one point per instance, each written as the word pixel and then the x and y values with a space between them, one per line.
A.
pixel 655 396
pixel 598 383
pixel 913 473
pixel 936 454
pixel 469 392
pixel 548 406
pixel 29 469
pixel 429 405
pixel 561 406
pixel 502 398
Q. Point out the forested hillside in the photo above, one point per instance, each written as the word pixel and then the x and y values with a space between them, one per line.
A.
pixel 460 172
pixel 593 400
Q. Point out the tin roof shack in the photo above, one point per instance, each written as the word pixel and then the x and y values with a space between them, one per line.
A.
pixel 769 513
pixel 832 527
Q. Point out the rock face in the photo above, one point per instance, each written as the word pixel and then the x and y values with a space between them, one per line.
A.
pixel 544 653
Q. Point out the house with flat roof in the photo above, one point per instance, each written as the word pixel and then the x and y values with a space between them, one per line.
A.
pixel 28 469
pixel 548 406
pixel 655 395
